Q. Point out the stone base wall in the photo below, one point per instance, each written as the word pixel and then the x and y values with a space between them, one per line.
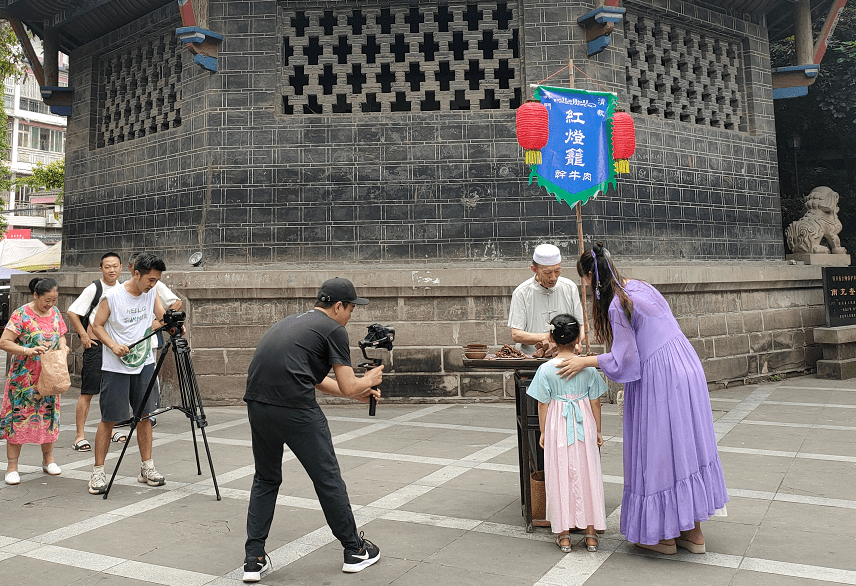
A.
pixel 746 322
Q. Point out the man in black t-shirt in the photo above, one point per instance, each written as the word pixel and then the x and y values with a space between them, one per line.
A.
pixel 292 361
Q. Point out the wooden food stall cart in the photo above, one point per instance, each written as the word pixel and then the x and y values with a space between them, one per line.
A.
pixel 529 452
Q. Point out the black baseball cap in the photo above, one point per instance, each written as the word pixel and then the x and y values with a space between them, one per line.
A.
pixel 338 289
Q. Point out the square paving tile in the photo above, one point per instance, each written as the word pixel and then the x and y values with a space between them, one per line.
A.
pixel 431 574
pixel 758 437
pixel 826 550
pixel 785 414
pixel 834 480
pixel 622 568
pixel 811 518
pixel 501 417
pixel 493 554
pixel 813 396
pixel 24 570
pixel 830 441
pixel 754 472
pixel 464 504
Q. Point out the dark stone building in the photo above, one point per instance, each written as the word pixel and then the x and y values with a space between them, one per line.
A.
pixel 385 131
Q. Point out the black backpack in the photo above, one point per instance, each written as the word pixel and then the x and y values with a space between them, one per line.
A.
pixel 95 300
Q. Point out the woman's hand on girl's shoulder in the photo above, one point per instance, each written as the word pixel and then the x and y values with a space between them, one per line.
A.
pixel 569 367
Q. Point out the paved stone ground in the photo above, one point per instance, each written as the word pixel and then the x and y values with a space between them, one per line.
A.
pixel 436 487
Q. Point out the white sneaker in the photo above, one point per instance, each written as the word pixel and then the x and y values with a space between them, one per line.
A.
pixel 148 475
pixel 98 482
pixel 13 478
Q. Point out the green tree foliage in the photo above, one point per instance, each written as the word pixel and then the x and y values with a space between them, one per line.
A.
pixel 11 62
pixel 825 121
pixel 50 176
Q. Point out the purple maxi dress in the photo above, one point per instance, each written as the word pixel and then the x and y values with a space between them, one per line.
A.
pixel 672 473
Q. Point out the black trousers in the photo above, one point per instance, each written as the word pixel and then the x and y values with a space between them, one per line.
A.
pixel 307 435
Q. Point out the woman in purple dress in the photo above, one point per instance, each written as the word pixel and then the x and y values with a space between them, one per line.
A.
pixel 672 474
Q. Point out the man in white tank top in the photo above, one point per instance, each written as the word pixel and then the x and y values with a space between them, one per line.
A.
pixel 125 315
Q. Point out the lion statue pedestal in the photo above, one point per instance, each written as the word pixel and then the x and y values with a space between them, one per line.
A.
pixel 819 223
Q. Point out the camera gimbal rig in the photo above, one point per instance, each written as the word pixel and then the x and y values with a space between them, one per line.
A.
pixel 191 400
pixel 377 337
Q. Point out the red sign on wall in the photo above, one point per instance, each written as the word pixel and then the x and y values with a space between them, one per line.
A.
pixel 17 234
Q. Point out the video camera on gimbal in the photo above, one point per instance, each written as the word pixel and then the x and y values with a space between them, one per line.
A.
pixel 378 337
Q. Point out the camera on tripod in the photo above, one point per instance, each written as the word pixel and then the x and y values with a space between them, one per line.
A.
pixel 378 337
pixel 173 322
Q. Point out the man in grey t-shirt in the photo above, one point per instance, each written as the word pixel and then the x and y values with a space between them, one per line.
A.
pixel 538 300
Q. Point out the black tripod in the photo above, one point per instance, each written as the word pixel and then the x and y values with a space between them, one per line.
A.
pixel 191 401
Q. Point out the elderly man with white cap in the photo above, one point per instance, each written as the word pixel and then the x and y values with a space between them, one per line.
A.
pixel 538 300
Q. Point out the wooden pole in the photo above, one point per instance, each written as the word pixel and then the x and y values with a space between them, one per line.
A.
pixel 579 209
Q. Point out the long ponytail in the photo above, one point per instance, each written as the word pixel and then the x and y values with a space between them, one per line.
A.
pixel 606 283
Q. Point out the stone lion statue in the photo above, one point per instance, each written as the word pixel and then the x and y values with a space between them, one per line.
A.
pixel 820 222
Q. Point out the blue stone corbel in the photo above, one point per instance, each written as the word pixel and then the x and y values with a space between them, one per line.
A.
pixel 599 24
pixel 204 45
pixel 793 81
pixel 58 98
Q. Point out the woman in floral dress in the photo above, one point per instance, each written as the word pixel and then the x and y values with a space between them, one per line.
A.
pixel 26 417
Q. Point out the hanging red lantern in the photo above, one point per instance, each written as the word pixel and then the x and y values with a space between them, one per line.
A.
pixel 623 140
pixel 533 130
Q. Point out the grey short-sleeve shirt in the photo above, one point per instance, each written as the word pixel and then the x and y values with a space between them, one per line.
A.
pixel 533 306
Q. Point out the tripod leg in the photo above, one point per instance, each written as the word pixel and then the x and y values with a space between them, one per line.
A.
pixel 121 455
pixel 210 463
pixel 192 405
pixel 136 418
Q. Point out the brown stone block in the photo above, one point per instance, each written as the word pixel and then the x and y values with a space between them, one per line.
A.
pixel 753 321
pixel 724 369
pixel 418 309
pixel 689 326
pixel 839 351
pixel 760 342
pixel 782 361
pixel 208 361
pixel 783 340
pixel 215 313
pixel 503 335
pixel 491 308
pixel 813 316
pixel 452 308
pixel 703 303
pixel 813 354
pixel 383 310
pixel 222 390
pixel 415 360
pixel 753 300
pixel 814 296
pixel 261 312
pixel 238 361
pixel 486 385
pixel 735 323
pixel 226 336
pixel 420 385
pixel 478 332
pixel 836 370
pixel 781 298
pixel 730 345
pixel 699 346
pixel 420 334
pixel 782 319
pixel 712 325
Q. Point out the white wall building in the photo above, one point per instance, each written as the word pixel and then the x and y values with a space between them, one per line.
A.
pixel 35 136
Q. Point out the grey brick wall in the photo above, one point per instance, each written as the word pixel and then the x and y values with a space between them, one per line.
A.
pixel 247 183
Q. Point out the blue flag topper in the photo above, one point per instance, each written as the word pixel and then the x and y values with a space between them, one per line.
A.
pixel 576 164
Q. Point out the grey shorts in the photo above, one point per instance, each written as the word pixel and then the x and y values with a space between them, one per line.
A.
pixel 120 393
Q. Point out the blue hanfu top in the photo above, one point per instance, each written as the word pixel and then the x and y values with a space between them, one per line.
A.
pixel 547 385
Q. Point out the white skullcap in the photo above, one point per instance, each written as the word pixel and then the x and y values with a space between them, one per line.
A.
pixel 547 254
